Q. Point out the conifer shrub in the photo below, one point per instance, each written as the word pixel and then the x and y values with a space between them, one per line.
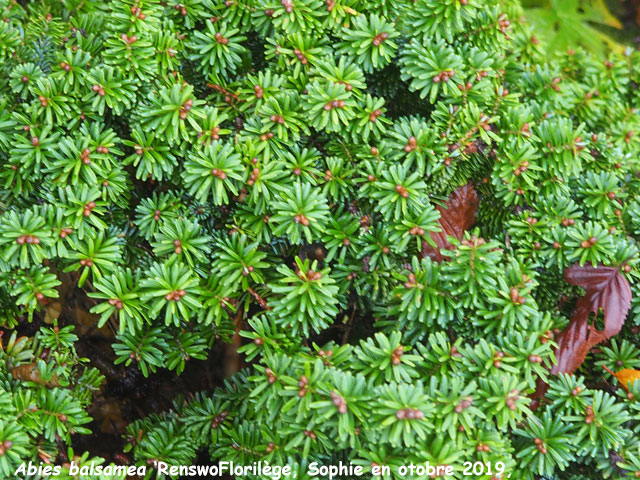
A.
pixel 417 229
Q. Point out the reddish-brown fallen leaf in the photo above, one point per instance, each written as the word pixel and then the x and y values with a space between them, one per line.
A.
pixel 458 216
pixel 606 289
pixel 625 376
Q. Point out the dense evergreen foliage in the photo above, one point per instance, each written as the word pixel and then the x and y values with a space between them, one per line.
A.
pixel 301 177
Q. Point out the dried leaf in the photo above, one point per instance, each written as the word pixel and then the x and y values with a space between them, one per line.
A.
pixel 625 376
pixel 455 219
pixel 107 413
pixel 52 312
pixel 606 289
pixel 28 372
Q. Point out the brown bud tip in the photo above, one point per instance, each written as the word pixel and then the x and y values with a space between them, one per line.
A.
pixel 513 294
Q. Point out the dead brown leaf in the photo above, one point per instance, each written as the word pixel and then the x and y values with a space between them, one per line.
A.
pixel 458 216
pixel 606 289
pixel 28 372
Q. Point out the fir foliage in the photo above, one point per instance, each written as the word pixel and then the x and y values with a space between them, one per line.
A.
pixel 274 172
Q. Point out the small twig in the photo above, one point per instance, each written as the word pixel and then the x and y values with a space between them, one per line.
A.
pixel 347 331
pixel 234 363
pixel 261 301
pixel 224 91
